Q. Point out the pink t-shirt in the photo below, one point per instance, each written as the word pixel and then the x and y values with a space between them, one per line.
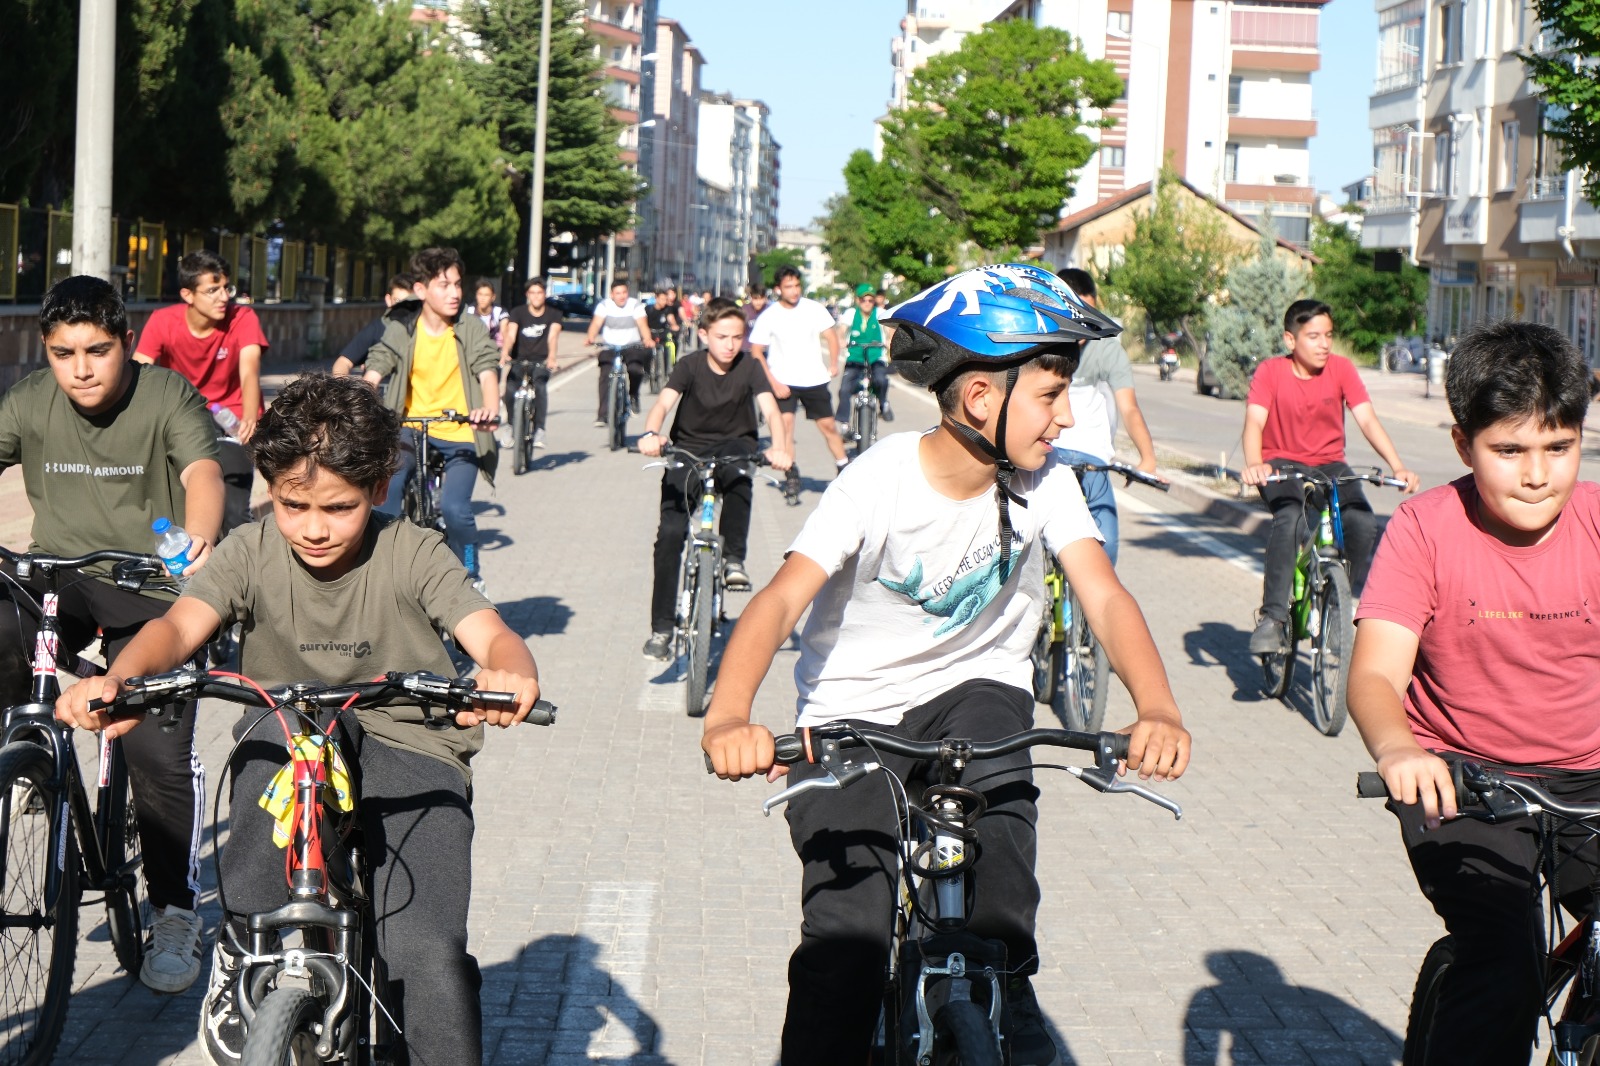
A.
pixel 209 363
pixel 1508 660
pixel 1305 416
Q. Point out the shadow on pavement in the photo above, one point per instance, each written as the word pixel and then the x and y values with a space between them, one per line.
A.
pixel 1227 646
pixel 536 615
pixel 553 1002
pixel 555 460
pixel 1252 1015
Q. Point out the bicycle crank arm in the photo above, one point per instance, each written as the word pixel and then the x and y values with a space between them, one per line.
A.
pixel 1101 781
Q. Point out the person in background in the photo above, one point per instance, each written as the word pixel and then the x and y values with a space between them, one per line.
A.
pixel 532 334
pixel 490 313
pixel 353 356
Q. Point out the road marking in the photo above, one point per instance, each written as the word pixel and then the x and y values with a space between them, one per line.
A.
pixel 1249 562
pixel 563 380
pixel 618 917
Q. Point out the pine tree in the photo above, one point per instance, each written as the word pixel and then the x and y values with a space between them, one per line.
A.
pixel 1249 327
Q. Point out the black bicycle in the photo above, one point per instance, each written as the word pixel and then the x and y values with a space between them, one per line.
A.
pixel 523 399
pixel 944 989
pixel 52 845
pixel 422 500
pixel 1321 604
pixel 616 404
pixel 701 587
pixel 311 985
pixel 863 426
pixel 1496 797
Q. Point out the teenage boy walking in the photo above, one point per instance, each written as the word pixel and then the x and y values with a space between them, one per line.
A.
pixel 787 341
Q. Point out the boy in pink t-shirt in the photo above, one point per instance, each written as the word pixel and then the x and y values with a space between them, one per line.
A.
pixel 1478 636
pixel 1294 419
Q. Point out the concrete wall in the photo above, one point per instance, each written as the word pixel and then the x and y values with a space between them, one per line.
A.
pixel 22 352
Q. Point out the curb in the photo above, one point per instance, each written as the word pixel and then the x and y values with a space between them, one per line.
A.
pixel 1241 515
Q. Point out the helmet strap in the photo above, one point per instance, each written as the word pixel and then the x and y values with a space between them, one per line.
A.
pixel 1004 470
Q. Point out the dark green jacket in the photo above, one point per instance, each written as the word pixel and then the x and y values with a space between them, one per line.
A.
pixel 391 357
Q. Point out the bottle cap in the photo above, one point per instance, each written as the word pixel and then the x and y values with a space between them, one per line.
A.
pixel 161 525
pixel 213 407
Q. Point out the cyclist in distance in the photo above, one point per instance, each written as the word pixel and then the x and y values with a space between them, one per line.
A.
pixel 438 359
pixel 108 444
pixel 1102 390
pixel 787 341
pixel 719 389
pixel 216 345
pixel 354 354
pixel 490 313
pixel 620 322
pixel 924 604
pixel 753 306
pixel 318 575
pixel 1478 637
pixel 532 336
pixel 662 318
pixel 866 351
pixel 1294 417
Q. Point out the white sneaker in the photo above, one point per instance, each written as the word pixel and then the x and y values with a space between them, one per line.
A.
pixel 538 438
pixel 221 1026
pixel 172 961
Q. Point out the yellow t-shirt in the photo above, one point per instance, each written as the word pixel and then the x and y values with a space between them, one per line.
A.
pixel 436 384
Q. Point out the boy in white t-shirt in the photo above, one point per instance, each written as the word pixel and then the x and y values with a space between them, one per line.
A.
pixel 621 322
pixel 923 612
pixel 787 341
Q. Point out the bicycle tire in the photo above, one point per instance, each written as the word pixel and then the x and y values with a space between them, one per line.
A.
pixel 1045 660
pixel 619 412
pixel 1330 651
pixel 1086 676
pixel 284 1030
pixel 1425 1000
pixel 412 504
pixel 117 828
pixel 962 1034
pixel 869 431
pixel 34 997
pixel 701 609
pixel 521 445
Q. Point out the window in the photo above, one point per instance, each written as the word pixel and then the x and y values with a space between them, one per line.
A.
pixel 1235 91
pixel 1450 19
pixel 1119 23
pixel 1400 47
pixel 1113 156
pixel 1510 133
pixel 1444 157
pixel 616 54
pixel 1230 161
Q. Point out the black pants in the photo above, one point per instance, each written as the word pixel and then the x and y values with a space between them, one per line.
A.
pixel 636 360
pixel 1289 515
pixel 168 782
pixel 737 497
pixel 1481 879
pixel 408 801
pixel 237 478
pixel 850 381
pixel 846 843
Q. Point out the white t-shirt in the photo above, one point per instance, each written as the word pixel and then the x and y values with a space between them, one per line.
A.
pixel 1102 370
pixel 621 325
pixel 914 604
pixel 793 339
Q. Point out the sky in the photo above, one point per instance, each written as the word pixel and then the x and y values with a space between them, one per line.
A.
pixel 823 68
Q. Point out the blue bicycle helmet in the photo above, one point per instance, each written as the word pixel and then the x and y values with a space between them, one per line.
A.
pixel 990 318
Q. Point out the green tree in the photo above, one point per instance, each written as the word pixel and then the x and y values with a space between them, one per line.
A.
pixel 37 82
pixel 844 239
pixel 1370 307
pixel 909 238
pixel 1249 327
pixel 588 191
pixel 1173 264
pixel 993 132
pixel 773 258
pixel 1570 90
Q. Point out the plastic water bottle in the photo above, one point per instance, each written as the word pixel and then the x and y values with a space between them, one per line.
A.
pixel 708 510
pixel 226 419
pixel 1325 529
pixel 172 544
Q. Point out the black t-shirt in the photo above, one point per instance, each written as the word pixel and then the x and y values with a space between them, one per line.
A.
pixel 715 408
pixel 356 351
pixel 657 317
pixel 533 331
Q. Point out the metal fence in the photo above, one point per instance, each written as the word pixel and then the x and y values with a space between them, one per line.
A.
pixel 36 252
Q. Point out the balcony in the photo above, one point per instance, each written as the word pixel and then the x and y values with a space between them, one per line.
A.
pixel 1394 81
pixel 1547 187
pixel 1277 128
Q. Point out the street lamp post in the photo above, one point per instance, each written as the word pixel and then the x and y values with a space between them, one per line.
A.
pixel 541 126
pixel 91 179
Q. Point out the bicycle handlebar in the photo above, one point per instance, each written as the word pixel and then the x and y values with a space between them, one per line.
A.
pixel 1489 795
pixel 672 451
pixel 1132 473
pixel 1375 476
pixel 48 563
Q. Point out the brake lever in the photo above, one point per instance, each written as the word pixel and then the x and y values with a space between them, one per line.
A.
pixel 1102 780
pixel 829 781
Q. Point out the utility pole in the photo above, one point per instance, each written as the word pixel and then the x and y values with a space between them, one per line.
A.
pixel 97 97
pixel 541 126
pixel 642 264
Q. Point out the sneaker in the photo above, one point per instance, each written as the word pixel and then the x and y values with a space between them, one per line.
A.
pixel 1271 637
pixel 886 412
pixel 599 422
pixel 634 404
pixel 221 1027
pixel 480 585
pixel 538 439
pixel 839 465
pixel 734 576
pixel 172 961
pixel 659 646
pixel 1022 1022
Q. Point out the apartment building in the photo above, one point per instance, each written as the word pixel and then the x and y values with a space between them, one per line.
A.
pixel 738 173
pixel 930 29
pixel 1219 88
pixel 669 226
pixel 1467 181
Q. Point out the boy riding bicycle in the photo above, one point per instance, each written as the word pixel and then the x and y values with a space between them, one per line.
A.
pixel 866 354
pixel 1477 636
pixel 107 445
pixel 923 613
pixel 720 389
pixel 326 589
pixel 1294 417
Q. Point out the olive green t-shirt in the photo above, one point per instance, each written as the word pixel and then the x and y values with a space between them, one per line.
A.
pixel 385 614
pixel 96 482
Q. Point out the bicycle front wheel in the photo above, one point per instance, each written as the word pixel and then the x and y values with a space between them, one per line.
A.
pixel 619 412
pixel 701 609
pixel 521 436
pixel 284 1032
pixel 116 823
pixel 1330 651
pixel 1081 688
pixel 41 941
pixel 962 1028
pixel 1425 1001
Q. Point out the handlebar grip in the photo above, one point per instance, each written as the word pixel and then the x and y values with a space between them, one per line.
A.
pixel 543 713
pixel 788 749
pixel 101 705
pixel 1369 785
pixel 1118 743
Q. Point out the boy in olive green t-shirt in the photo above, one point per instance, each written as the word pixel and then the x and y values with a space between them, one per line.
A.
pixel 324 588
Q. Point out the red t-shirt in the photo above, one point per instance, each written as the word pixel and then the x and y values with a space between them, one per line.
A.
pixel 1508 660
pixel 1305 416
pixel 209 363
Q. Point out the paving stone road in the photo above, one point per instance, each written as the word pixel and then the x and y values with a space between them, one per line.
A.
pixel 629 909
